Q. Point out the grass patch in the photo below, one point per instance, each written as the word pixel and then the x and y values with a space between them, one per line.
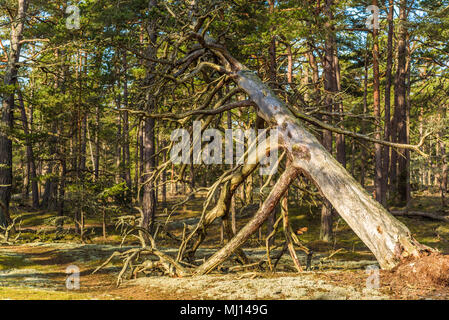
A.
pixel 39 294
pixel 14 262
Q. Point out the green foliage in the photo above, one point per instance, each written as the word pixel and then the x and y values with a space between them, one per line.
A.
pixel 118 194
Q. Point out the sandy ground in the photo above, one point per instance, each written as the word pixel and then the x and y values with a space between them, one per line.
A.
pixel 38 271
pixel 41 268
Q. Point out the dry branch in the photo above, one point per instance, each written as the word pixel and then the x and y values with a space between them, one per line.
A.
pixel 254 224
pixel 388 238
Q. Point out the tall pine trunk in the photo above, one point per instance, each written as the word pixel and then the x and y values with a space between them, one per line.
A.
pixel 387 115
pixel 401 104
pixel 6 124
pixel 148 145
pixel 330 88
pixel 378 172
pixel 30 154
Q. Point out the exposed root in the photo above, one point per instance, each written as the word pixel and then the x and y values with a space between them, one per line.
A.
pixel 5 232
pixel 141 260
pixel 134 262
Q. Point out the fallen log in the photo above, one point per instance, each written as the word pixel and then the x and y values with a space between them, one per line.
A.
pixel 428 215
pixel 388 239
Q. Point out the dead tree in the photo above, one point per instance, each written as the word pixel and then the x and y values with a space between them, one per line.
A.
pixel 388 238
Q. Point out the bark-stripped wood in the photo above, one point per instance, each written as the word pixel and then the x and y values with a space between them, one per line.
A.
pixel 279 189
pixel 388 238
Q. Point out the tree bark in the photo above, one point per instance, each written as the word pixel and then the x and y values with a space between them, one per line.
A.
pixel 387 128
pixel 9 79
pixel 97 144
pixel 29 154
pixel 50 189
pixel 126 155
pixel 330 88
pixel 365 111
pixel 378 172
pixel 401 102
pixel 149 196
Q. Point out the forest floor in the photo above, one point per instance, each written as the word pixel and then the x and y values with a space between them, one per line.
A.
pixel 35 266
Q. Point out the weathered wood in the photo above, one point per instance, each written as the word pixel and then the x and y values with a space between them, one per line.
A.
pixel 287 234
pixel 279 189
pixel 388 238
pixel 221 209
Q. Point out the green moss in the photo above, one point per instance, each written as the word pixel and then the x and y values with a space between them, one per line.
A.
pixel 13 262
pixel 35 218
pixel 443 231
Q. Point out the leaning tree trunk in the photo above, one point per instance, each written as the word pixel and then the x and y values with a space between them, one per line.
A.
pixel 388 239
pixel 255 223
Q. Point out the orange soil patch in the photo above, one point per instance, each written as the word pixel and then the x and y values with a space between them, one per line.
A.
pixel 427 270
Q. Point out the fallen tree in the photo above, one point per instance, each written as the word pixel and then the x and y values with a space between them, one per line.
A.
pixel 421 214
pixel 388 239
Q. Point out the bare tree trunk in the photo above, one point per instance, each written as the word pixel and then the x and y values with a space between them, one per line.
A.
pixel 97 144
pixel 30 154
pixel 273 84
pixel 9 79
pixel 444 164
pixel 232 208
pixel 363 125
pixel 340 143
pixel 164 178
pixel 271 221
pixel 401 102
pixel 387 129
pixel 444 180
pixel 126 155
pixel 149 148
pixel 149 195
pixel 118 147
pixel 84 117
pixel 61 201
pixel 330 88
pixel 192 176
pixel 378 172
pixel 137 157
pixel 408 189
pixel 49 196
